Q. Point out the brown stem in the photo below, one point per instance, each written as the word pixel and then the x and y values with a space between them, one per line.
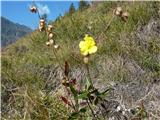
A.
pixel 37 9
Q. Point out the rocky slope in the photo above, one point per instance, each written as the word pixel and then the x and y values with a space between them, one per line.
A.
pixel 10 32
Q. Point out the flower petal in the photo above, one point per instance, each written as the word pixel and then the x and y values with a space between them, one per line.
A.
pixel 86 36
pixel 81 44
pixel 93 50
pixel 85 53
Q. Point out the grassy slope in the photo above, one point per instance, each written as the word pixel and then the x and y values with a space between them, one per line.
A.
pixel 23 84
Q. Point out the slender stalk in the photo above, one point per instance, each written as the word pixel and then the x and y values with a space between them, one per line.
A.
pixel 89 75
pixel 73 105
pixel 75 98
pixel 109 23
pixel 54 52
pixel 37 9
pixel 90 108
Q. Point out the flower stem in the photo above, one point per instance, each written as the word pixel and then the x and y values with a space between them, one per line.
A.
pixel 89 76
pixel 55 54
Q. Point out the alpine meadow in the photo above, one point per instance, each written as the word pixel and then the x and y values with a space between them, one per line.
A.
pixel 100 61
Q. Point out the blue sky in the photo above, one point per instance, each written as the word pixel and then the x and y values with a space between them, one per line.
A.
pixel 18 11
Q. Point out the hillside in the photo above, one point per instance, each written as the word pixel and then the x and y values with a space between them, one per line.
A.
pixel 10 32
pixel 127 60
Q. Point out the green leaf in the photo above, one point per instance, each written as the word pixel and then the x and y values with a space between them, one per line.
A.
pixel 73 116
pixel 83 110
pixel 83 95
pixel 74 92
pixel 88 84
pixel 104 93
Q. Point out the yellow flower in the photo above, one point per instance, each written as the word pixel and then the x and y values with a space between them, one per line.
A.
pixel 88 46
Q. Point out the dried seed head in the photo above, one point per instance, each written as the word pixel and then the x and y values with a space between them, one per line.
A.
pixel 48 43
pixel 125 16
pixel 33 9
pixel 42 22
pixel 56 46
pixel 50 28
pixel 51 41
pixel 41 28
pixel 86 60
pixel 118 11
pixel 50 36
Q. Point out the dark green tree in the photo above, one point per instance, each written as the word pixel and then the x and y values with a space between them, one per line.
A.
pixel 71 9
pixel 83 5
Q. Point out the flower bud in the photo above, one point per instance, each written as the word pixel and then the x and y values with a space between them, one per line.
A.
pixel 86 60
pixel 50 36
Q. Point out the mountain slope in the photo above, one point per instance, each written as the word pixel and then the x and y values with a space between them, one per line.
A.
pixel 10 32
pixel 128 60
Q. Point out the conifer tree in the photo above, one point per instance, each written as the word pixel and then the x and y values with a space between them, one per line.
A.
pixel 71 9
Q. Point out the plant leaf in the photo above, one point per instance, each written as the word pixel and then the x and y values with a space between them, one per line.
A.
pixel 88 85
pixel 73 116
pixel 83 110
pixel 65 100
pixel 74 92
pixel 83 95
